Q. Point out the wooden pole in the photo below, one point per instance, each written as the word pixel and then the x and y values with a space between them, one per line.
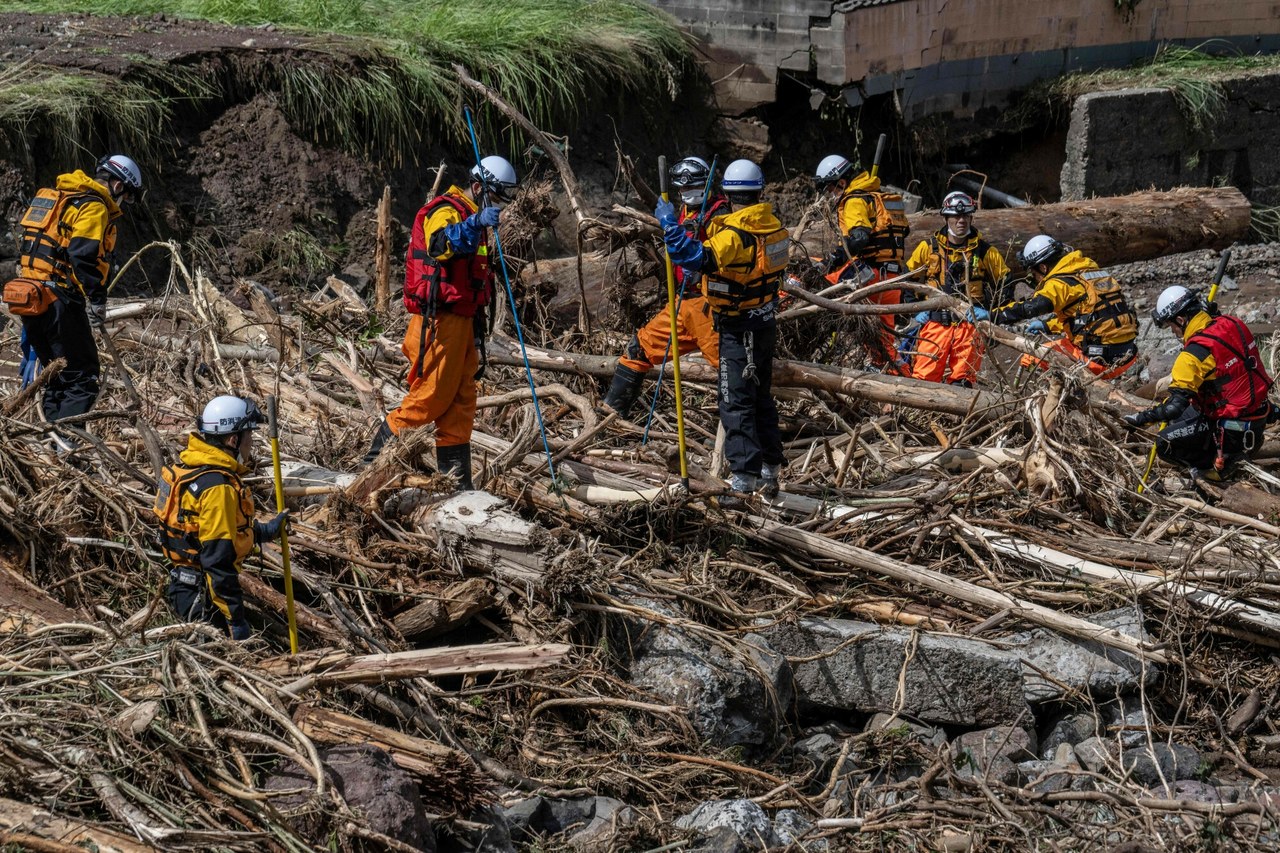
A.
pixel 382 257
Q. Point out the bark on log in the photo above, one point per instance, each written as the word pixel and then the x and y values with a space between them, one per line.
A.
pixel 29 819
pixel 327 668
pixel 1115 229
pixel 418 756
pixel 455 606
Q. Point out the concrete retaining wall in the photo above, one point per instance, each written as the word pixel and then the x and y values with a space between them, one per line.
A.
pixel 1133 139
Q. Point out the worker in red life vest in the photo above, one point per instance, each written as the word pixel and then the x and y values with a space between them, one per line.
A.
pixel 694 327
pixel 958 262
pixel 448 285
pixel 1099 328
pixel 1217 406
pixel 67 254
pixel 206 517
pixel 873 231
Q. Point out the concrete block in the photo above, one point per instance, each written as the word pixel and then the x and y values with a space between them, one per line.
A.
pixel 1074 664
pixel 947 680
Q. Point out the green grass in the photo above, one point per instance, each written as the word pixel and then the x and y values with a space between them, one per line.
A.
pixel 392 81
pixel 1194 75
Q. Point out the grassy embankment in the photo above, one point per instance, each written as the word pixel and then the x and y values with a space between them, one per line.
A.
pixel 550 58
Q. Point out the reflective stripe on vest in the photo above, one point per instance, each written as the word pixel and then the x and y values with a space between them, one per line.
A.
pixel 1104 316
pixel 738 288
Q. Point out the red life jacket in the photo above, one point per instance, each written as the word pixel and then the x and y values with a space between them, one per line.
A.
pixel 696 225
pixel 461 285
pixel 1240 385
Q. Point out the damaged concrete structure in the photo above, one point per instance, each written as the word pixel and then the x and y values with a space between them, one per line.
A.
pixel 937 56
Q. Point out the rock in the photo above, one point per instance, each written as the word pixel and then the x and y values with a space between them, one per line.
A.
pixel 729 703
pixel 722 839
pixel 1094 753
pixel 928 736
pixel 371 784
pixel 992 753
pixel 1013 742
pixel 1068 729
pixel 1043 777
pixel 494 836
pixel 1160 763
pixel 745 818
pixel 1080 664
pixel 1129 719
pixel 949 680
pixel 790 826
pixel 1196 791
pixel 816 756
pixel 588 824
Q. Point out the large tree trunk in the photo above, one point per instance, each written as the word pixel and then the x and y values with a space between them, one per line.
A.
pixel 1116 229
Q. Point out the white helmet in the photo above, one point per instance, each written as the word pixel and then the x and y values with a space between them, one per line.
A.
pixel 742 176
pixel 497 175
pixel 122 169
pixel 1174 301
pixel 1040 249
pixel 227 415
pixel 690 172
pixel 958 204
pixel 832 168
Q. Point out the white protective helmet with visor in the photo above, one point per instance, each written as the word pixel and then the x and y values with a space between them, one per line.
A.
pixel 228 415
pixel 742 176
pixel 497 176
pixel 830 169
pixel 1041 249
pixel 689 177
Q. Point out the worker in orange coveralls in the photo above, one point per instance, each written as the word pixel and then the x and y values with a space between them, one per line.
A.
pixel 448 285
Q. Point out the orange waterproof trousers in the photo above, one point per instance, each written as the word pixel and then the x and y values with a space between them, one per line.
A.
pixel 694 331
pixel 888 340
pixel 947 353
pixel 442 386
pixel 1067 348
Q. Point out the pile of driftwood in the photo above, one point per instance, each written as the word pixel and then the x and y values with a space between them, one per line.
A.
pixel 474 637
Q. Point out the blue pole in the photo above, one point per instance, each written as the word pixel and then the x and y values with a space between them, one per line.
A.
pixel 515 317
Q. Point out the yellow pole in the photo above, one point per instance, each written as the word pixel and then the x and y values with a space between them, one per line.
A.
pixel 674 342
pixel 875 163
pixel 1213 291
pixel 274 431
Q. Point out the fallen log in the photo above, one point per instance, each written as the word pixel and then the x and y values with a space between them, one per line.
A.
pixel 454 607
pixel 327 668
pixel 1116 229
pixel 20 819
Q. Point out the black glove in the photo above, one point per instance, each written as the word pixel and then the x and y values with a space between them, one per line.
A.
pixel 1137 419
pixel 834 261
pixel 266 531
pixel 97 311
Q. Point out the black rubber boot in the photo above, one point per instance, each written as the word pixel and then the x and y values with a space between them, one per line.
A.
pixel 380 438
pixel 456 460
pixel 624 390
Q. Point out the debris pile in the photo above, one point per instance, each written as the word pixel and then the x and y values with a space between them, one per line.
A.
pixel 960 623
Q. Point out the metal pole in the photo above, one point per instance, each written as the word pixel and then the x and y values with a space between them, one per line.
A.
pixel 273 430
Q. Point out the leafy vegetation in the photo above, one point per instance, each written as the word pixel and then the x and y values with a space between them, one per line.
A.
pixel 391 78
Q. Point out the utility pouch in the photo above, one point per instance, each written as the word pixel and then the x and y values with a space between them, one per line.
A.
pixel 27 297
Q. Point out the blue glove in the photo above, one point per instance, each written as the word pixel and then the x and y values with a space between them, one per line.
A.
pixel 683 249
pixel 241 631
pixel 1037 327
pixel 922 318
pixel 488 217
pixel 665 213
pixel 976 313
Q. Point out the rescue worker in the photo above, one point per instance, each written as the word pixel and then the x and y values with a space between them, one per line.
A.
pixel 206 517
pixel 872 225
pixel 1217 406
pixel 742 261
pixel 958 262
pixel 1099 328
pixel 694 330
pixel 67 247
pixel 448 286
